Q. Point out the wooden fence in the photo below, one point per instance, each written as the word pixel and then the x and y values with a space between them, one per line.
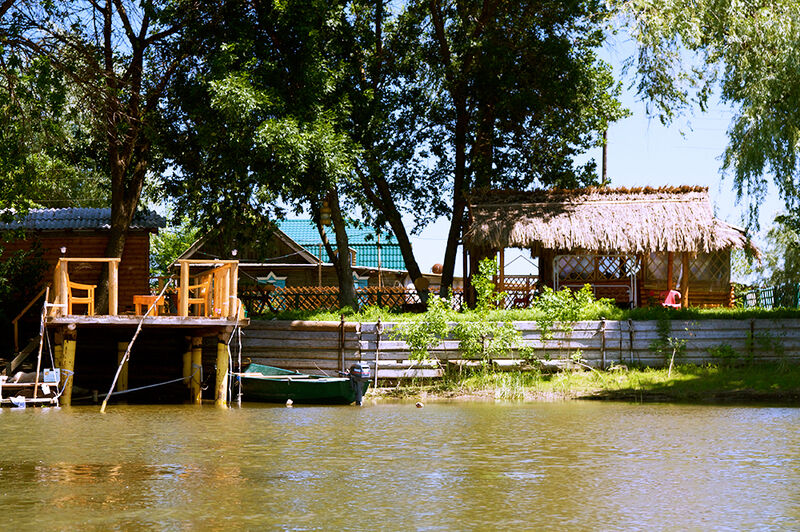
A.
pixel 266 300
pixel 332 346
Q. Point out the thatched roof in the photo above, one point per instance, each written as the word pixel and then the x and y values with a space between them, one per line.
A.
pixel 603 220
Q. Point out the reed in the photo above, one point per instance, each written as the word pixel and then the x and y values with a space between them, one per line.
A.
pixel 772 383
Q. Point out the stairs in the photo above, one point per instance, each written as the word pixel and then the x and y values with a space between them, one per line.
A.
pixel 33 344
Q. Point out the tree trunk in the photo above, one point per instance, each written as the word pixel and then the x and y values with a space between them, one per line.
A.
pixel 124 201
pixel 384 203
pixel 459 198
pixel 340 256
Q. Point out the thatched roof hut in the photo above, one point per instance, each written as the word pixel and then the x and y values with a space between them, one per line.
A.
pixel 601 220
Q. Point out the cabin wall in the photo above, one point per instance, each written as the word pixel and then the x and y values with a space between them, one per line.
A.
pixel 709 278
pixel 134 268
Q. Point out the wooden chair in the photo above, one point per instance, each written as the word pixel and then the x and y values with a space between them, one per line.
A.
pixel 87 300
pixel 202 291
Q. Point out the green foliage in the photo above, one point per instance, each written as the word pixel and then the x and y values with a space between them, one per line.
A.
pixel 724 354
pixel 761 382
pixel 668 346
pixel 567 307
pixel 484 286
pixel 428 330
pixel 781 256
pixel 169 244
pixel 247 132
pixel 479 337
pixel 20 277
pixel 48 157
pixel 749 50
pixel 486 340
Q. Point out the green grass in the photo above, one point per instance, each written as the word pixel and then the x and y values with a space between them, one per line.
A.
pixel 752 383
pixel 597 312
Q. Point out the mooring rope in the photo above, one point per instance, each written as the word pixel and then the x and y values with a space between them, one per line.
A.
pixel 127 354
pixel 140 388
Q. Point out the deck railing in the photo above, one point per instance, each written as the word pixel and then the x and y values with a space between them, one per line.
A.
pixel 63 294
pixel 216 287
pixel 211 292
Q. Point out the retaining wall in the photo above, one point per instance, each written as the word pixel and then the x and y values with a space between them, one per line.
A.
pixel 330 346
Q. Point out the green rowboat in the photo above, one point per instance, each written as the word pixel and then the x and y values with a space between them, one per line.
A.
pixel 275 385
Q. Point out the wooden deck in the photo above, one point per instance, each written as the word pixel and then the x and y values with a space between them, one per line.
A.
pixel 130 321
pixel 207 306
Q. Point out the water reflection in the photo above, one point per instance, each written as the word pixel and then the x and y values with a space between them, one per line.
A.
pixel 392 466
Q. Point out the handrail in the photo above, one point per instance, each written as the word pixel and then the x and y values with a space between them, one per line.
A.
pixel 222 291
pixel 15 321
pixel 61 277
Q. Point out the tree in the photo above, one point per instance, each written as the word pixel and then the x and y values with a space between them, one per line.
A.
pixel 381 47
pixel 750 51
pixel 119 58
pixel 168 244
pixel 258 116
pixel 780 259
pixel 46 150
pixel 513 92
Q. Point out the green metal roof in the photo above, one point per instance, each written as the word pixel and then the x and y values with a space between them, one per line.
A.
pixel 363 241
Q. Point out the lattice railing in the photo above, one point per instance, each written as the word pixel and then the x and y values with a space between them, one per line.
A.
pixel 262 300
pixel 713 268
pixel 657 267
pixel 520 290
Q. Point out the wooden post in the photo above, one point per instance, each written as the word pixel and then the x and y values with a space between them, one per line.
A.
pixel 122 382
pixel 225 294
pixel 63 292
pixel 502 270
pixel 341 343
pixel 685 280
pixel 58 351
pixel 603 346
pixel 68 368
pixel 196 393
pixel 187 362
pixel 113 291
pixel 233 286
pixel 221 395
pixel 377 349
pixel 670 268
pixel 183 291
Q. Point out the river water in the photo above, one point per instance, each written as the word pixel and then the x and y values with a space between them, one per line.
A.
pixel 447 466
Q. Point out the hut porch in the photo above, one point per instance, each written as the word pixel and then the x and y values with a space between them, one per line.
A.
pixel 630 245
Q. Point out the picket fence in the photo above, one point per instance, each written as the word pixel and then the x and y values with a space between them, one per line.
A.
pixel 331 347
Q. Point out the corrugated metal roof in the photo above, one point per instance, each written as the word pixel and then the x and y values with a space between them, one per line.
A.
pixel 80 218
pixel 363 241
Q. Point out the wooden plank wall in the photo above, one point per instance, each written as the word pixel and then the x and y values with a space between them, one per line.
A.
pixel 315 346
pixel 312 347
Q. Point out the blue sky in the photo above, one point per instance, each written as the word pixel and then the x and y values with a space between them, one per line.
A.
pixel 643 152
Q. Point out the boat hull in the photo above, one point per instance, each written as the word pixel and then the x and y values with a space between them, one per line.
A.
pixel 273 385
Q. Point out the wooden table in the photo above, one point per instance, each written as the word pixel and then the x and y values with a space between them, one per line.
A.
pixel 146 302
